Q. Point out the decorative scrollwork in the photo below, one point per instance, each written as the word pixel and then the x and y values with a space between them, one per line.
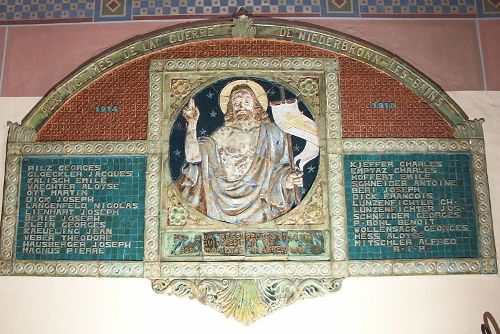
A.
pixel 482 194
pixel 84 269
pixel 20 133
pixel 247 300
pixel 337 206
pixel 152 220
pixel 405 145
pixel 253 63
pixel 470 129
pixel 77 148
pixel 414 267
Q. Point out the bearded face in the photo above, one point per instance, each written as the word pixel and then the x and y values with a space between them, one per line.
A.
pixel 243 106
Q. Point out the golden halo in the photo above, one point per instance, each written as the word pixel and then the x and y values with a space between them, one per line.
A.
pixel 255 87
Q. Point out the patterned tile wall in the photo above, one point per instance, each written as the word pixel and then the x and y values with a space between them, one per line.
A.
pixel 50 11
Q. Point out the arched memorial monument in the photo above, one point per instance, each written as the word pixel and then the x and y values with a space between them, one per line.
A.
pixel 247 163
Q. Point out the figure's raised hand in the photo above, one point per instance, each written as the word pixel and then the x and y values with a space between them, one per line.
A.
pixel 294 179
pixel 191 112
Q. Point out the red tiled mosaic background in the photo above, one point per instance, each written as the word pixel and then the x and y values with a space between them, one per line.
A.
pixel 127 88
pixel 360 85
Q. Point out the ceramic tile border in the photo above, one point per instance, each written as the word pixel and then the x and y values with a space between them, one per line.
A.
pixel 416 267
pixel 486 262
pixel 482 198
pixel 246 269
pixel 380 145
pixel 15 151
pixel 80 268
pixel 211 69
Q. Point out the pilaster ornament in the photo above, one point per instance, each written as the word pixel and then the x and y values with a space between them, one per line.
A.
pixel 20 133
pixel 243 27
pixel 470 129
pixel 247 300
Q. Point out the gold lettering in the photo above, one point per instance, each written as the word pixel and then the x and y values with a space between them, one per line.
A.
pixel 68 88
pixel 398 69
pixel 345 45
pixel 391 66
pixel 329 41
pixel 423 88
pixel 432 94
pixel 105 63
pixel 302 35
pixel 129 52
pixel 78 81
pixel 93 70
pixel 336 43
pixel 149 45
pixel 352 49
pixel 286 32
pixel 314 38
pixel 439 101
pixel 416 83
pixel 368 54
pixel 56 99
pixel 404 73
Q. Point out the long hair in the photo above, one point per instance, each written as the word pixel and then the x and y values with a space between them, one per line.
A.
pixel 260 115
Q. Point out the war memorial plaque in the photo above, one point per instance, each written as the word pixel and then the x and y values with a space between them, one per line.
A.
pixel 246 160
pixel 81 208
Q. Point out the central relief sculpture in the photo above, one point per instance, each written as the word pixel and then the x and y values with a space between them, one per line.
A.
pixel 244 171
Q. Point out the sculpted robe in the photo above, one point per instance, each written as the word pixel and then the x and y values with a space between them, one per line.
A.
pixel 239 184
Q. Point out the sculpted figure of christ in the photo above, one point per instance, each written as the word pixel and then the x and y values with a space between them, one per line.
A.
pixel 241 173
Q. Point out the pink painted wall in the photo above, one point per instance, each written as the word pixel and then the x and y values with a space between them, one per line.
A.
pixel 448 51
pixel 490 41
pixel 438 48
pixel 38 57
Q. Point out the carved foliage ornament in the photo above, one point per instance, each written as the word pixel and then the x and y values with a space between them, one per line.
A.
pixel 247 300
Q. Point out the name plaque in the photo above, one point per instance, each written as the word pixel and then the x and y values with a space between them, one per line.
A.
pixel 404 206
pixel 81 208
pixel 249 244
